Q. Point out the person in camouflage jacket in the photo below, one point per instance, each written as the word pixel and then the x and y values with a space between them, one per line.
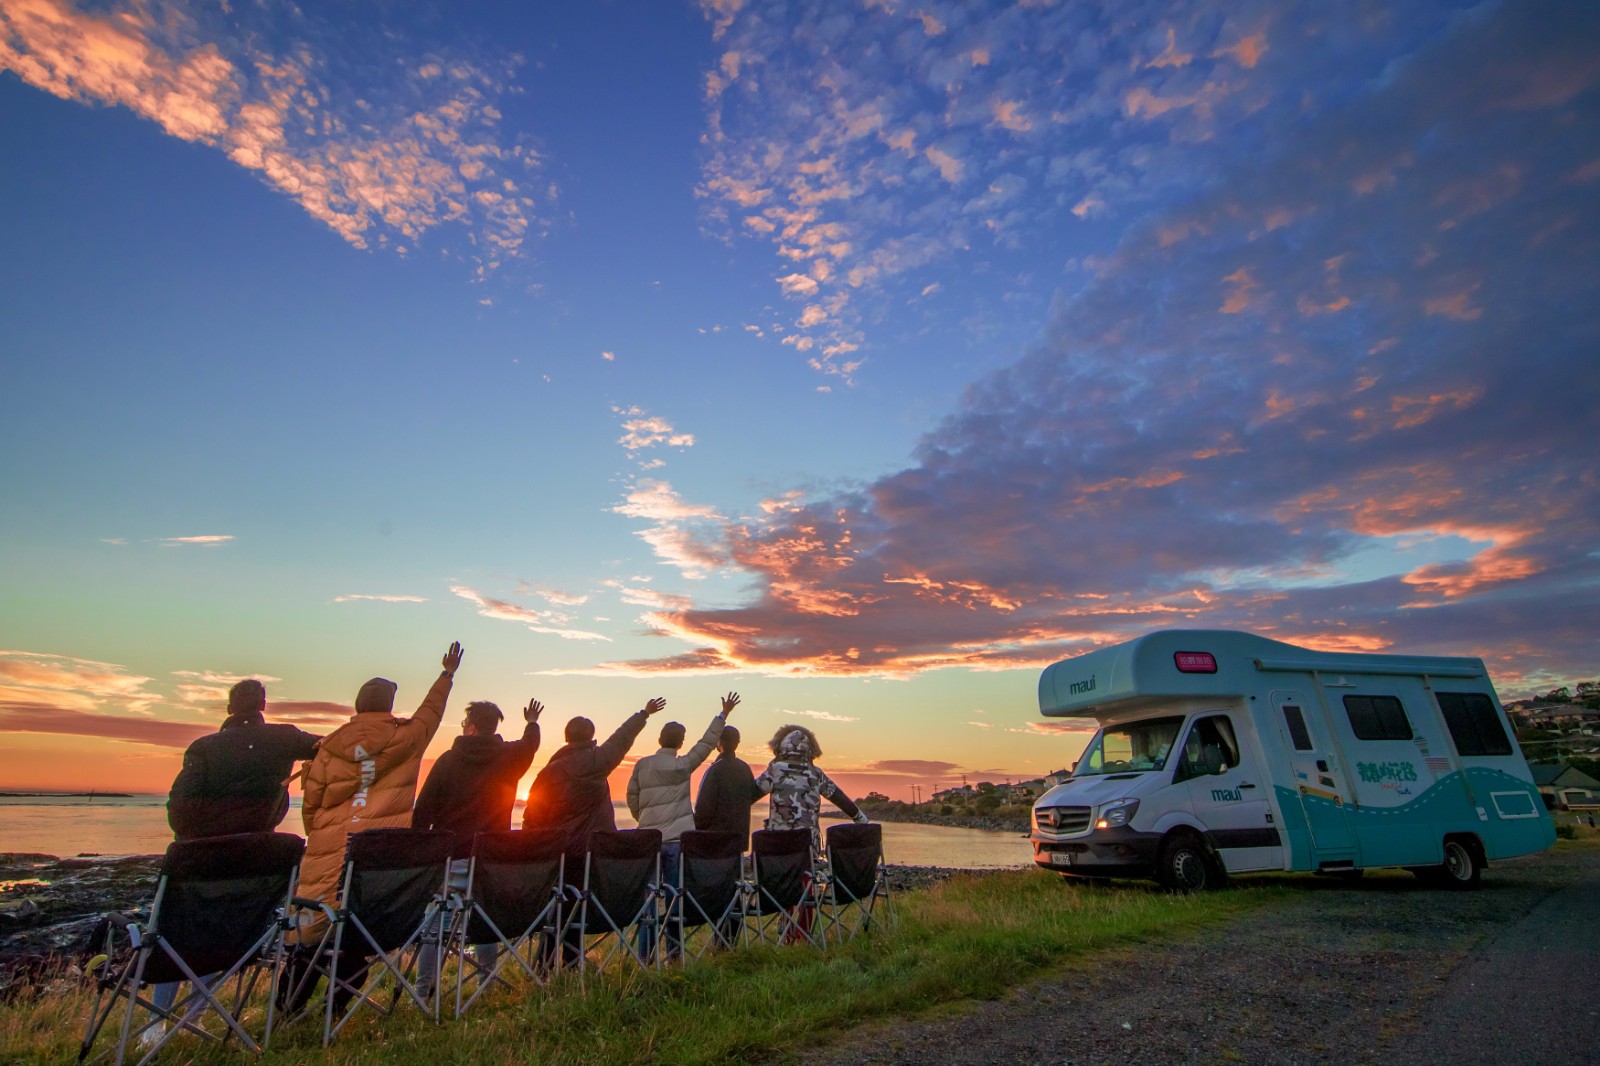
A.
pixel 797 787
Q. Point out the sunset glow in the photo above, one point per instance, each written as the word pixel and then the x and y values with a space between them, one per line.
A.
pixel 864 358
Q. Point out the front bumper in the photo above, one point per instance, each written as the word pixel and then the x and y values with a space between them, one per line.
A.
pixel 1119 852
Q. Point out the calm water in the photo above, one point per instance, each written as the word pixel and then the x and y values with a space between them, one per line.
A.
pixel 138 826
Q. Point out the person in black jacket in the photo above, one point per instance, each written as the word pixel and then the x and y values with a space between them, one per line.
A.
pixel 727 791
pixel 473 786
pixel 470 790
pixel 572 797
pixel 236 780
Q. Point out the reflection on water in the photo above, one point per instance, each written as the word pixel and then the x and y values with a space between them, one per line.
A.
pixel 137 825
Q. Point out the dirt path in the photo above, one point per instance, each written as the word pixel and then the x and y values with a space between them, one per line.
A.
pixel 1377 969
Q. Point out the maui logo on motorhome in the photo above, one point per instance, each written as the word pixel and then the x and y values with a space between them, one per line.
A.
pixel 369 774
pixel 1226 795
pixel 1077 688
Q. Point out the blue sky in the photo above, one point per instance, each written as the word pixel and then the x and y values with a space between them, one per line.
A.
pixel 863 357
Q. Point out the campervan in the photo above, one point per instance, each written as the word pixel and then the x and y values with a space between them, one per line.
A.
pixel 1223 752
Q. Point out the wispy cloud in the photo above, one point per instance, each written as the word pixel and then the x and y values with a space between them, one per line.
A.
pixel 824 716
pixel 378 597
pixel 1245 388
pixel 204 540
pixel 379 139
pixel 684 535
pixel 24 717
pixel 549 622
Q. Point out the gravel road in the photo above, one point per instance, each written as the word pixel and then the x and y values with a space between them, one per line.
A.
pixel 1368 970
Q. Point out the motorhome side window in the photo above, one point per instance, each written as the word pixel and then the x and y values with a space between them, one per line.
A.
pixel 1377 718
pixel 1295 719
pixel 1473 723
pixel 1210 749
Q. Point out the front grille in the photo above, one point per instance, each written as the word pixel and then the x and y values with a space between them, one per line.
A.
pixel 1063 821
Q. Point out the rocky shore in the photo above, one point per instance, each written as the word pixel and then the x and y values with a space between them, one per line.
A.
pixel 1005 822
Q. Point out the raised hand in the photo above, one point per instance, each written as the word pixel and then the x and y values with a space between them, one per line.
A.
pixel 729 702
pixel 655 705
pixel 452 658
pixel 531 712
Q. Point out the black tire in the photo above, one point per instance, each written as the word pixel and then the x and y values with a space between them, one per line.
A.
pixel 1186 865
pixel 1462 868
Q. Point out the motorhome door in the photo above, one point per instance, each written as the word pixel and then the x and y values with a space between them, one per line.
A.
pixel 1319 780
pixel 1228 794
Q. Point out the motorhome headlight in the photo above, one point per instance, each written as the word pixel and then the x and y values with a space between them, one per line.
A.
pixel 1116 814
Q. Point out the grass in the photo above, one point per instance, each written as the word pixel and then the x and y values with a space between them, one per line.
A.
pixel 970 938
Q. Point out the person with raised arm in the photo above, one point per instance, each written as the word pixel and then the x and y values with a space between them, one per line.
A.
pixel 658 797
pixel 470 790
pixel 364 777
pixel 572 796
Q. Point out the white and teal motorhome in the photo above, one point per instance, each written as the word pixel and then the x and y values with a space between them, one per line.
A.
pixel 1221 752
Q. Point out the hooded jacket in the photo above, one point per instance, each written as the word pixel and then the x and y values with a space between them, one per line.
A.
pixel 571 795
pixel 364 777
pixel 236 779
pixel 798 786
pixel 727 792
pixel 658 790
pixel 473 786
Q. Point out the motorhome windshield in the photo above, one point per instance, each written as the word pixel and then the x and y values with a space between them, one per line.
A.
pixel 1130 748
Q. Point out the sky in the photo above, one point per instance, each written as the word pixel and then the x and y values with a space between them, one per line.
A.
pixel 860 357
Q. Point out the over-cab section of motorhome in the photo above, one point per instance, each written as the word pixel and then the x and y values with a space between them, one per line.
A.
pixel 1222 752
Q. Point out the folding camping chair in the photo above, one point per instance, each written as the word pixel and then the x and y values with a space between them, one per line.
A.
pixel 514 891
pixel 218 919
pixel 393 895
pixel 855 880
pixel 708 892
pixel 783 886
pixel 621 886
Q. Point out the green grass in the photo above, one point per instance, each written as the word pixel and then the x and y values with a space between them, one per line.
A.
pixel 970 938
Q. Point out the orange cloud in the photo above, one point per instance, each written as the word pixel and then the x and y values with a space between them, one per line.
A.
pixel 404 173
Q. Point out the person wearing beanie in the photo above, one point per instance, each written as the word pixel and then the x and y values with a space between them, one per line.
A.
pixel 236 780
pixel 364 777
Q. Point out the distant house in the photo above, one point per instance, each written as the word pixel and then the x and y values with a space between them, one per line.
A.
pixel 1564 787
pixel 1558 716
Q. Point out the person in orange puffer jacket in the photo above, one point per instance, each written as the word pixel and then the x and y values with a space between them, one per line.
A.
pixel 364 777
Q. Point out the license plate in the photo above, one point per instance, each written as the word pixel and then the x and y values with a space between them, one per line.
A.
pixel 1061 858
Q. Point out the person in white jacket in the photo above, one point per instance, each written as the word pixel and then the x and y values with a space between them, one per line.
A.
pixel 658 797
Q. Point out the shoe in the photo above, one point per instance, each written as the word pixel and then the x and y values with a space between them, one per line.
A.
pixel 152 1036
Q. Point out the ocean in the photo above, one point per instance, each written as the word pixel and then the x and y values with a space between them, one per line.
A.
pixel 137 825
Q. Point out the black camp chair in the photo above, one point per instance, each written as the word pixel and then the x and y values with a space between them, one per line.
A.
pixel 392 896
pixel 783 877
pixel 856 884
pixel 513 892
pixel 708 892
pixel 621 885
pixel 217 922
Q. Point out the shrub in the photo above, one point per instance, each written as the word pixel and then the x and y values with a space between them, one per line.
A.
pixel 1567 832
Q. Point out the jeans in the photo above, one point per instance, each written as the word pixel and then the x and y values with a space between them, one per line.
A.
pixel 645 934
